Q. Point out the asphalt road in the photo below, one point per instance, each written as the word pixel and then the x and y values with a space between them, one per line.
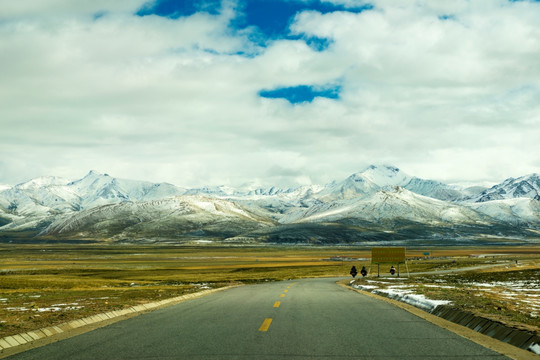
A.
pixel 303 319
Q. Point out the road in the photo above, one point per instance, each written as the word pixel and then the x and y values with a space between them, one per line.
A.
pixel 302 319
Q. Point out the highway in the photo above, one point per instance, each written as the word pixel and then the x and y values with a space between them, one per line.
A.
pixel 301 319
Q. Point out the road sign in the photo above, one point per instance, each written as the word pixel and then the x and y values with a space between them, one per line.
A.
pixel 389 255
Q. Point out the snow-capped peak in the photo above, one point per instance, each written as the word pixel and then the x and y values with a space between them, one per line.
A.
pixel 376 197
pixel 42 181
pixel 364 183
pixel 4 187
pixel 392 203
pixel 527 186
pixel 91 176
pixel 92 182
pixel 384 175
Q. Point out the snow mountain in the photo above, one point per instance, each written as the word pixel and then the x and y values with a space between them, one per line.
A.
pixel 375 178
pixel 437 190
pixel 229 192
pixel 392 204
pixel 518 211
pixel 181 216
pixel 523 187
pixel 378 203
pixel 40 200
pixel 94 189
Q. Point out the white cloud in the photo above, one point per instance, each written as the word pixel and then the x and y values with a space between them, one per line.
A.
pixel 172 100
pixel 47 8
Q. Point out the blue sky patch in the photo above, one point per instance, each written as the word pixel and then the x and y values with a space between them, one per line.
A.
pixel 178 8
pixel 302 93
pixel 99 15
pixel 447 17
pixel 269 18
pixel 314 42
pixel 273 18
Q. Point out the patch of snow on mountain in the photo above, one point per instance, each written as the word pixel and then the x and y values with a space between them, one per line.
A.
pixel 100 189
pixel 215 191
pixel 4 187
pixel 168 216
pixel 43 181
pixel 435 189
pixel 377 194
pixel 397 203
pixel 354 186
pixel 527 186
pixel 510 210
pixel 385 175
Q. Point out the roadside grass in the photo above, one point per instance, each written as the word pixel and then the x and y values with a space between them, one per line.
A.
pixel 509 294
pixel 44 285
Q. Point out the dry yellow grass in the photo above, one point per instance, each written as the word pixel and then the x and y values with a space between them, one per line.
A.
pixel 43 285
pixel 508 291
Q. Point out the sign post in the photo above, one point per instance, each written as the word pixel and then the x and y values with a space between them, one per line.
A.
pixel 388 255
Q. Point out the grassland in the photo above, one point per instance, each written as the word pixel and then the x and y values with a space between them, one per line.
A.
pixel 43 285
pixel 499 284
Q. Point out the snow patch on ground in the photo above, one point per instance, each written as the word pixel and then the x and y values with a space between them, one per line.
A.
pixel 404 294
pixel 535 348
pixel 420 301
pixel 53 308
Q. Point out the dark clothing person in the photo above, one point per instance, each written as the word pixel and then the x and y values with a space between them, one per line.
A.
pixel 363 271
pixel 353 271
pixel 392 270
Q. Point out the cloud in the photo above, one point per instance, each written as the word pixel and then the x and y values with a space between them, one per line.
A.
pixel 271 19
pixel 446 89
pixel 43 9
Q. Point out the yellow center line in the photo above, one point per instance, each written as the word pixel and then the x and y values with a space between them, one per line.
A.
pixel 266 324
pixel 285 291
pixel 277 303
pixel 282 295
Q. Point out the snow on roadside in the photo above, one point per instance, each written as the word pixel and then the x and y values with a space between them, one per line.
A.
pixel 53 308
pixel 420 301
pixel 535 348
pixel 405 295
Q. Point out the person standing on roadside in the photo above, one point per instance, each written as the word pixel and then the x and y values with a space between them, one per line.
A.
pixel 353 271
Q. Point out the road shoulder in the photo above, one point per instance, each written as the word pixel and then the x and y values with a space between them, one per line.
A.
pixel 11 345
pixel 481 339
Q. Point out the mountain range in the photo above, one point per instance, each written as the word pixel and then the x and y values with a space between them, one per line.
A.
pixel 379 204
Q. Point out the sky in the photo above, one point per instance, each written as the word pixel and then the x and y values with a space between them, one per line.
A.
pixel 269 92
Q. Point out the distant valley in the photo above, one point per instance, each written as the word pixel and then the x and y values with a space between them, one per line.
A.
pixel 378 205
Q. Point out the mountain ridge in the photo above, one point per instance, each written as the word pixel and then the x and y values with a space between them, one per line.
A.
pixel 374 203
